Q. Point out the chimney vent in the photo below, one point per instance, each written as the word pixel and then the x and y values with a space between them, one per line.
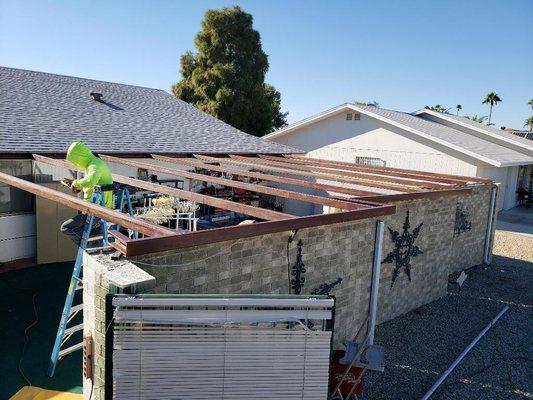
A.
pixel 97 97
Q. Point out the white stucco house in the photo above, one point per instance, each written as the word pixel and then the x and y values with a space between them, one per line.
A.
pixel 424 140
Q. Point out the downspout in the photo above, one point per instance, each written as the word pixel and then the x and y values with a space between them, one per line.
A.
pixel 487 255
pixel 376 268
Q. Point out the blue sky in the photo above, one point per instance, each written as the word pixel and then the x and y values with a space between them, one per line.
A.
pixel 404 54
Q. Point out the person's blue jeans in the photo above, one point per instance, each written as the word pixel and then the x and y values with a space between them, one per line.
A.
pixel 73 227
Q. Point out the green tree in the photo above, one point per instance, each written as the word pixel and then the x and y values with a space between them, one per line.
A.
pixel 439 108
pixel 458 107
pixel 492 99
pixel 529 124
pixel 226 76
pixel 480 118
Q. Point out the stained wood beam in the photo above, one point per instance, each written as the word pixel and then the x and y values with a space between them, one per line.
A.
pixel 316 175
pixel 183 194
pixel 331 176
pixel 106 214
pixel 366 175
pixel 149 245
pixel 381 173
pixel 431 194
pixel 401 171
pixel 193 162
pixel 323 201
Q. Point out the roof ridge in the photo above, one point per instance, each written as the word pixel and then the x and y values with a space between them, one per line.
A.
pixel 80 78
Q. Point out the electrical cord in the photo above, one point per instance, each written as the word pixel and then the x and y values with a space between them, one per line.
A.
pixel 26 339
pixel 27 329
pixel 92 387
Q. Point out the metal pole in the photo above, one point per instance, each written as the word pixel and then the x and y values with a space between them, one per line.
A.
pixel 487 257
pixel 376 268
pixel 463 354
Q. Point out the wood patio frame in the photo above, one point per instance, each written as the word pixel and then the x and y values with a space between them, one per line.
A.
pixel 360 204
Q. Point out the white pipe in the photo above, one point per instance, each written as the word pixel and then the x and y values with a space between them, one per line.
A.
pixel 487 255
pixel 376 268
pixel 463 354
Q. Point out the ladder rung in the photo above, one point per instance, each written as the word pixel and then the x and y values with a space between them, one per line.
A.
pixel 75 309
pixel 94 238
pixel 70 349
pixel 73 329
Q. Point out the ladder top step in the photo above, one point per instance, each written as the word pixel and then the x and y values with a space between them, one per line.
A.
pixel 70 349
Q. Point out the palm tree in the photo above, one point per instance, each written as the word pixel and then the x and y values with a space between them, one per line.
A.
pixel 529 124
pixel 530 102
pixel 458 107
pixel 492 99
pixel 477 118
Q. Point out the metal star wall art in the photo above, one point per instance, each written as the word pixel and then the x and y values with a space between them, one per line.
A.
pixel 298 270
pixel 404 249
pixel 326 288
pixel 462 220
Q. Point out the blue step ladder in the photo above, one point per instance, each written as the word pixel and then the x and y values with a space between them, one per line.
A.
pixel 65 332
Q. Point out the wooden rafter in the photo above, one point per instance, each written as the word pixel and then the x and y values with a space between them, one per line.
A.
pixel 378 172
pixel 344 205
pixel 335 176
pixel 315 175
pixel 193 162
pixel 430 194
pixel 183 194
pixel 106 214
pixel 146 245
pixel 401 171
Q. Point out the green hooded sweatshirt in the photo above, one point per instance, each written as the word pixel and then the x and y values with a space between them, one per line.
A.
pixel 96 172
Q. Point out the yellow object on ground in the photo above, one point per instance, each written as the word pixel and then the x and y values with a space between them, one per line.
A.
pixel 35 393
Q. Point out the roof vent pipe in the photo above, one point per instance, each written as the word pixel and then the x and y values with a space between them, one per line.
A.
pixel 97 97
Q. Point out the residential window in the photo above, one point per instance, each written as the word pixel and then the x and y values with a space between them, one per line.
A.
pixel 356 117
pixel 349 116
pixel 13 200
pixel 375 162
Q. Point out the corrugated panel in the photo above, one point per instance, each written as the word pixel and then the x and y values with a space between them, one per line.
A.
pixel 238 360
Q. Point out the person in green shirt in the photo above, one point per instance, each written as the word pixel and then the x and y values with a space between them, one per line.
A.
pixel 96 173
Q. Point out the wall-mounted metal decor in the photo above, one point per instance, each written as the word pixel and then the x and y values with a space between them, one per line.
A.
pixel 405 248
pixel 462 220
pixel 298 269
pixel 326 288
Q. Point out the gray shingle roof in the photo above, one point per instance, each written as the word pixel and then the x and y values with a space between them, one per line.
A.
pixel 45 113
pixel 470 143
pixel 486 128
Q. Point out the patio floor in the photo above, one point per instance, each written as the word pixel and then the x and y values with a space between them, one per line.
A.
pixel 17 288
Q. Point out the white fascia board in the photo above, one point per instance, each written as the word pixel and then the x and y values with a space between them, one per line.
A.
pixel 474 128
pixel 307 121
pixel 516 163
pixel 429 137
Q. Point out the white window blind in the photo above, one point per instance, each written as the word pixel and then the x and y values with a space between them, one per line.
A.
pixel 227 348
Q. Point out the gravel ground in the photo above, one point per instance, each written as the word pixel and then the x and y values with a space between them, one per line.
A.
pixel 420 345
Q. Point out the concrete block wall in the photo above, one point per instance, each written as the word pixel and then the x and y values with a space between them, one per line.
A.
pixel 259 265
pixel 102 276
